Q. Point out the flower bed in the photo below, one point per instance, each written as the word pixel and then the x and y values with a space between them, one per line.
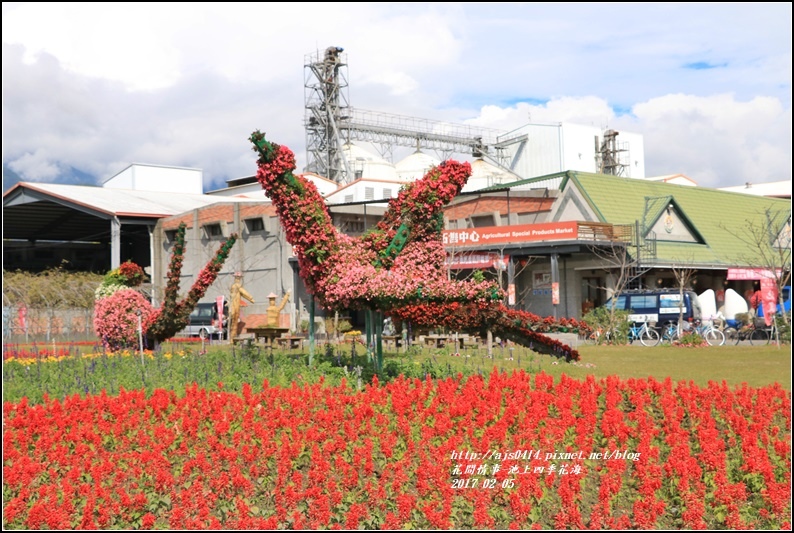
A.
pixel 504 451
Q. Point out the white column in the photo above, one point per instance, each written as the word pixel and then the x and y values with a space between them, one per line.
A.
pixel 115 243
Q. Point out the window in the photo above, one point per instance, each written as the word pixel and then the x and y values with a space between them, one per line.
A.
pixel 170 235
pixel 214 230
pixel 355 226
pixel 386 193
pixel 348 198
pixel 255 224
pixel 369 193
pixel 482 221
pixel 644 303
pixel 620 303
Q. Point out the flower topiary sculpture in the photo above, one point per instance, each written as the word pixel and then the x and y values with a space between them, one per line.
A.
pixel 399 267
pixel 118 304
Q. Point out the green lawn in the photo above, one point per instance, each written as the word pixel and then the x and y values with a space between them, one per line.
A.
pixel 754 365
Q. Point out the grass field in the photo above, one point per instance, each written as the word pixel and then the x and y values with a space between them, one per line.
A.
pixel 754 365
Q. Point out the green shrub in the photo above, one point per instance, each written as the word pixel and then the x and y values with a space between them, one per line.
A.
pixel 691 339
pixel 617 324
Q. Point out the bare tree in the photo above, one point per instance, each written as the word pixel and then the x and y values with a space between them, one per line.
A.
pixel 769 237
pixel 503 272
pixel 684 273
pixel 624 268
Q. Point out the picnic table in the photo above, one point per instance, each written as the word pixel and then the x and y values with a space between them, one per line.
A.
pixel 267 334
pixel 289 341
pixel 442 340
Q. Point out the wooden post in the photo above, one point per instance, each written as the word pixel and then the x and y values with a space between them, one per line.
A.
pixel 368 331
pixel 311 331
pixel 379 341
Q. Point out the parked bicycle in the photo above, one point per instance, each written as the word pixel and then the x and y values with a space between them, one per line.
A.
pixel 668 332
pixel 647 335
pixel 776 332
pixel 672 331
pixel 592 336
pixel 747 332
pixel 780 332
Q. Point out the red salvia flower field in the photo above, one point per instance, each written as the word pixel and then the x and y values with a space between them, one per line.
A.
pixel 505 451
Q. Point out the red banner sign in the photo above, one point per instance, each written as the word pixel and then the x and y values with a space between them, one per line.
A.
pixel 768 287
pixel 739 274
pixel 768 299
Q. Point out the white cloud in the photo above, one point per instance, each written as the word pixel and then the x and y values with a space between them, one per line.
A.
pixel 588 110
pixel 36 166
pixel 717 139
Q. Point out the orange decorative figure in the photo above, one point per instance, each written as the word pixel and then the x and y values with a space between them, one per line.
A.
pixel 237 292
pixel 274 310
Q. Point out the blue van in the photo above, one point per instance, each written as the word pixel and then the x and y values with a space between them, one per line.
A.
pixel 657 306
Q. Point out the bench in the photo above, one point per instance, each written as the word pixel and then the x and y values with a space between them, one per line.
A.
pixel 289 342
pixel 472 342
pixel 244 337
pixel 266 334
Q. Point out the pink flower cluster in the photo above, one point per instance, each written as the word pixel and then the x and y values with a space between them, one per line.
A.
pixel 116 319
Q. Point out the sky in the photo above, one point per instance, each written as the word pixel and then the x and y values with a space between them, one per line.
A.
pixel 94 87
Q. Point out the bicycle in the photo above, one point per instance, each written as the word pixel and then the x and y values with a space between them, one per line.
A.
pixel 673 331
pixel 600 336
pixel 669 331
pixel 748 332
pixel 713 336
pixel 778 333
pixel 644 333
pixel 591 336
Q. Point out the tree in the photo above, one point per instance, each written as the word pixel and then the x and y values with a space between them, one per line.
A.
pixel 622 266
pixel 684 273
pixel 768 240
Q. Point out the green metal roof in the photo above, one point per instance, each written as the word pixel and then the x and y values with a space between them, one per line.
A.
pixel 711 213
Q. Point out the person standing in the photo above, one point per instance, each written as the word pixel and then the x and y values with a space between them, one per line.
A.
pixel 237 293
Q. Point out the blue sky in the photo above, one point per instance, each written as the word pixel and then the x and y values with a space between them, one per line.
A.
pixel 98 86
